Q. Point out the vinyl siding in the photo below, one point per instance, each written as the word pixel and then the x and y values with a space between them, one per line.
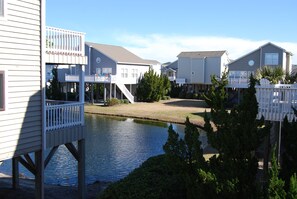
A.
pixel 20 53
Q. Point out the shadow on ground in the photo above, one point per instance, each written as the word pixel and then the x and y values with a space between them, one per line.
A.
pixel 27 190
pixel 188 103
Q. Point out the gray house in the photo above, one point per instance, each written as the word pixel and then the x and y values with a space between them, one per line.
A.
pixel 195 68
pixel 170 70
pixel 113 66
pixel 266 55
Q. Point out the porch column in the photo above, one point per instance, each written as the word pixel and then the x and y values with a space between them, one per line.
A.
pixel 81 169
pixel 92 93
pixel 115 91
pixel 104 97
pixel 110 90
pixel 82 88
pixel 39 176
pixel 15 173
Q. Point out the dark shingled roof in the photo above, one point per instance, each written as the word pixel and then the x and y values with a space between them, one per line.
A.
pixel 118 53
pixel 202 54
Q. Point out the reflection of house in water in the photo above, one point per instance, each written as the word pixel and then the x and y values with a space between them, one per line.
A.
pixel 29 123
pixel 112 66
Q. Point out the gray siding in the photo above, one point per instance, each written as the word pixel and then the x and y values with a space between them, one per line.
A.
pixel 184 66
pixel 106 62
pixel 20 53
pixel 212 67
pixel 258 56
pixel 197 70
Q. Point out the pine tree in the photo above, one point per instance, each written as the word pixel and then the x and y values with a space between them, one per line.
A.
pixel 236 134
pixel 292 193
pixel 276 185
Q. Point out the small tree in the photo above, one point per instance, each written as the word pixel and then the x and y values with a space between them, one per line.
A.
pixel 292 193
pixel 152 87
pixel 274 75
pixel 236 136
pixel 53 90
pixel 276 185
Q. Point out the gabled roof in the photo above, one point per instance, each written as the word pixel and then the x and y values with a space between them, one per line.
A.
pixel 269 43
pixel 172 65
pixel 202 54
pixel 149 61
pixel 118 53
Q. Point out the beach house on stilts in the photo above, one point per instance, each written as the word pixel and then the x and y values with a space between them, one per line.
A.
pixel 114 67
pixel 29 123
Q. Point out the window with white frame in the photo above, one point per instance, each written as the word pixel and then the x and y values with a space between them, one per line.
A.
pixel 271 59
pixel 134 73
pixel 2 8
pixel 2 90
pixel 126 72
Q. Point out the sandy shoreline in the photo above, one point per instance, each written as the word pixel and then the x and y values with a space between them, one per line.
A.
pixel 27 189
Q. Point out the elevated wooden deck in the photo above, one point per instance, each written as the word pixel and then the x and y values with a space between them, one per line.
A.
pixel 276 101
pixel 65 46
pixel 64 122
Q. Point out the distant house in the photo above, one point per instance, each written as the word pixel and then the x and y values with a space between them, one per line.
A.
pixel 113 66
pixel 170 70
pixel 266 55
pixel 196 68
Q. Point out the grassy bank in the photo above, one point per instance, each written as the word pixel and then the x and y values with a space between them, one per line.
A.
pixel 173 110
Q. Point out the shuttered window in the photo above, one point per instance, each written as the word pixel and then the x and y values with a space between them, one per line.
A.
pixel 2 91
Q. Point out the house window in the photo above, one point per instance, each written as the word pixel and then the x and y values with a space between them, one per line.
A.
pixel 271 59
pixel 134 73
pixel 2 91
pixel 124 73
pixel 2 9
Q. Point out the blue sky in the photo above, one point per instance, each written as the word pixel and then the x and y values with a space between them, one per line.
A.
pixel 161 29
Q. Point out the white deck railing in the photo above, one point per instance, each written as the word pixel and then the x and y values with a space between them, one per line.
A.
pixel 276 101
pixel 63 114
pixel 67 42
pixel 91 78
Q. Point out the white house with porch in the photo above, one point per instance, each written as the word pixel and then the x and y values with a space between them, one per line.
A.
pixel 29 123
pixel 113 66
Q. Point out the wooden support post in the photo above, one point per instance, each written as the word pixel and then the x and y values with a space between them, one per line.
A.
pixel 81 170
pixel 50 155
pixel 15 173
pixel 110 90
pixel 104 98
pixel 92 93
pixel 115 91
pixel 71 148
pixel 39 176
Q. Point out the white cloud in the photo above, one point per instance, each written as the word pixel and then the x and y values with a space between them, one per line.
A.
pixel 166 48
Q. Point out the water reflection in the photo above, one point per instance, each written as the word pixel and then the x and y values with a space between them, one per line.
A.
pixel 114 147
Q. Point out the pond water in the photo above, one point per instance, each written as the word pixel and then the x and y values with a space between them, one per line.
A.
pixel 114 147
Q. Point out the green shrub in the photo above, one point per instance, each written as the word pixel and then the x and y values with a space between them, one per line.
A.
pixel 154 179
pixel 112 102
pixel 125 101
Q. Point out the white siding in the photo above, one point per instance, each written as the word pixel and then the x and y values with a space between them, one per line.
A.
pixel 130 79
pixel 20 53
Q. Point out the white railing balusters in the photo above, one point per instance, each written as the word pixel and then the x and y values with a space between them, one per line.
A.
pixel 60 41
pixel 63 115
pixel 276 101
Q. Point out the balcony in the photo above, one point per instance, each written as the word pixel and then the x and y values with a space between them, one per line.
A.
pixel 276 101
pixel 92 78
pixel 65 46
pixel 64 122
pixel 239 79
